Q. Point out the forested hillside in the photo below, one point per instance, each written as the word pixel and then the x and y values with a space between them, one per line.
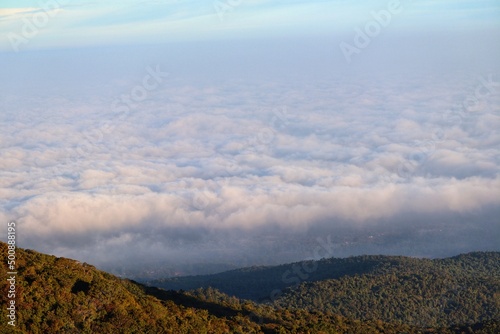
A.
pixel 59 295
pixel 257 283
pixel 422 292
pixel 465 289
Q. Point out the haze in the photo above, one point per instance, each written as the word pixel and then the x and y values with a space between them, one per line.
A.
pixel 240 132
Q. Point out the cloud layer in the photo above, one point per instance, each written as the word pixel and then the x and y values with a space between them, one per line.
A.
pixel 215 168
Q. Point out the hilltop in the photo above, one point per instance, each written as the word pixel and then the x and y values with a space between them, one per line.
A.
pixel 59 295
pixel 422 292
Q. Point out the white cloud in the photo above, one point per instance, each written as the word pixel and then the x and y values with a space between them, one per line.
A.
pixel 9 12
pixel 203 166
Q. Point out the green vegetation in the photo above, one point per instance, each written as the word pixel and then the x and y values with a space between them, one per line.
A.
pixel 443 292
pixel 58 295
pixel 464 289
pixel 256 283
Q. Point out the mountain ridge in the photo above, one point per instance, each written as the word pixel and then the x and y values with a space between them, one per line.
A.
pixel 60 295
pixel 301 271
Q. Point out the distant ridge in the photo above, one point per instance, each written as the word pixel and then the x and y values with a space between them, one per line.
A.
pixel 438 292
pixel 268 278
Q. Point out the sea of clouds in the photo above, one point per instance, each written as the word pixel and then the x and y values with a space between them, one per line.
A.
pixel 245 160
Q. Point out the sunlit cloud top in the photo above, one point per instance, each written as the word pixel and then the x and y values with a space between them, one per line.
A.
pixel 62 23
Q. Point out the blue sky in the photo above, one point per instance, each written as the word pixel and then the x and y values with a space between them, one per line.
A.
pixel 87 23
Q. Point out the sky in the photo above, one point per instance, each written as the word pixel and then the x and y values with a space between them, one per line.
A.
pixel 64 23
pixel 190 133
